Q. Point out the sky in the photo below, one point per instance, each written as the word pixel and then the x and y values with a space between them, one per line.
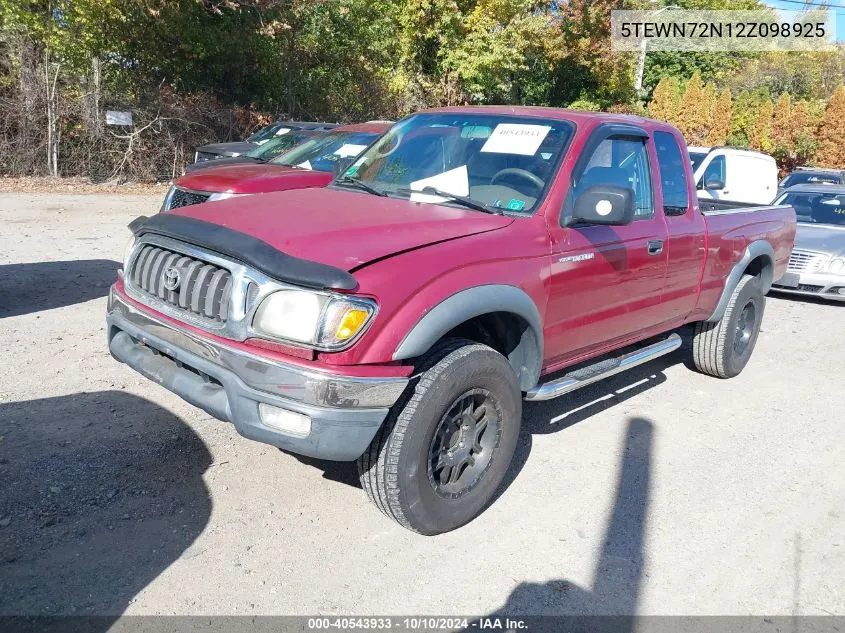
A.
pixel 797 6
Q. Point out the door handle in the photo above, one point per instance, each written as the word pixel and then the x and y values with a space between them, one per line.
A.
pixel 655 247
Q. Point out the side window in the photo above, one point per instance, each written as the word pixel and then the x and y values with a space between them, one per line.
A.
pixel 673 174
pixel 715 171
pixel 621 161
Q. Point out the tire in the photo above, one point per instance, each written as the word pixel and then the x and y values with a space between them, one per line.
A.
pixel 723 349
pixel 398 470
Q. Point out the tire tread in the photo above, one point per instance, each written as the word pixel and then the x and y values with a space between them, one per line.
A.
pixel 378 466
pixel 710 340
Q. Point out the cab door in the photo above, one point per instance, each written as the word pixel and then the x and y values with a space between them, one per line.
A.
pixel 606 281
pixel 686 244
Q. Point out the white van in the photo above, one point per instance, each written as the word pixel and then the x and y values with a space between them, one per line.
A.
pixel 738 175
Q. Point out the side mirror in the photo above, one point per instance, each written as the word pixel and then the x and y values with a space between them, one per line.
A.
pixel 604 204
pixel 341 165
pixel 714 183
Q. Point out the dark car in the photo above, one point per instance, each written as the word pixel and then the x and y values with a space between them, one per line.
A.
pixel 812 176
pixel 214 151
pixel 260 153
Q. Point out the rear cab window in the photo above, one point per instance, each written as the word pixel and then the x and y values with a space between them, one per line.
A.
pixel 673 174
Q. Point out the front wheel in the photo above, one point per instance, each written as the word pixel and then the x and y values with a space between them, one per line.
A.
pixel 722 349
pixel 446 447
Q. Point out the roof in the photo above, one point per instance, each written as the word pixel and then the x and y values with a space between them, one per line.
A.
pixel 728 148
pixel 816 188
pixel 378 127
pixel 306 125
pixel 576 116
pixel 821 170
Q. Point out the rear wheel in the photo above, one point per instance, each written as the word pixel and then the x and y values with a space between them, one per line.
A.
pixel 722 349
pixel 446 447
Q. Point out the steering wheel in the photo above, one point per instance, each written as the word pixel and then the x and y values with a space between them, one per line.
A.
pixel 522 173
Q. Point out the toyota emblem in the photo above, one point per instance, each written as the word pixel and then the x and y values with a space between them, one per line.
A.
pixel 172 277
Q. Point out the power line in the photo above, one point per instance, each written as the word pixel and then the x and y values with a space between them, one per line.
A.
pixel 812 4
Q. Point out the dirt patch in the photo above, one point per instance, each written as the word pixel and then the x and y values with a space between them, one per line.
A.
pixel 40 184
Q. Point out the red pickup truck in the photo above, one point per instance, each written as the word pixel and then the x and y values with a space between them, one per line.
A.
pixel 469 259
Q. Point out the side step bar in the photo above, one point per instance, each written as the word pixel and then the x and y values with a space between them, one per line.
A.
pixel 602 369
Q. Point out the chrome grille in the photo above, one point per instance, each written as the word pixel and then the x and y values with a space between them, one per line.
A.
pixel 203 289
pixel 801 261
pixel 183 198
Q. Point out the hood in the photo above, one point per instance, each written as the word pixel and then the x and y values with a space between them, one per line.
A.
pixel 222 162
pixel 227 149
pixel 344 229
pixel 821 238
pixel 252 178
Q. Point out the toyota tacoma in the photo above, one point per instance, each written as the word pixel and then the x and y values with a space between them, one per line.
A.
pixel 470 259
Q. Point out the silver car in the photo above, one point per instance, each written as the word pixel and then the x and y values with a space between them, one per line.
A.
pixel 817 264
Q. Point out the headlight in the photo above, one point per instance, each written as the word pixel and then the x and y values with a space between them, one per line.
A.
pixel 165 206
pixel 326 322
pixel 128 251
pixel 224 196
pixel 836 265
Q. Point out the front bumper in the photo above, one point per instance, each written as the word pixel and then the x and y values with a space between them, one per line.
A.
pixel 821 285
pixel 345 411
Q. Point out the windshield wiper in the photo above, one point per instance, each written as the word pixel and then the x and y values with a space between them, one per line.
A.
pixel 349 180
pixel 467 202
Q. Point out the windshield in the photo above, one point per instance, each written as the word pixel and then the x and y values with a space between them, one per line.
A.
pixel 320 153
pixel 277 145
pixel 696 158
pixel 266 133
pixel 809 177
pixel 498 161
pixel 817 208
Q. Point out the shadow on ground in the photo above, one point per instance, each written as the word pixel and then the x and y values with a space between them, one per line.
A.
pixel 809 299
pixel 619 569
pixel 27 288
pixel 101 492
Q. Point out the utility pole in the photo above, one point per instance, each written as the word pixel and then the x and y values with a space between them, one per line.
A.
pixel 638 83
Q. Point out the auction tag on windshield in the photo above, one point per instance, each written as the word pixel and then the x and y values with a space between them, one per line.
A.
pixel 453 181
pixel 349 150
pixel 282 131
pixel 516 138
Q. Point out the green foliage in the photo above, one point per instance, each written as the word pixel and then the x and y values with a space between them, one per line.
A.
pixel 360 59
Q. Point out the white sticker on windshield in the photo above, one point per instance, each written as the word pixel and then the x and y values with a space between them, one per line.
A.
pixel 516 138
pixel 283 130
pixel 305 165
pixel 454 181
pixel 262 141
pixel 349 150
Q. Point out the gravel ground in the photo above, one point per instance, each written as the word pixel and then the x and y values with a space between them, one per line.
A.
pixel 660 491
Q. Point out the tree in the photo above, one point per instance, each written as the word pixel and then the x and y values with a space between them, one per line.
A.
pixel 831 132
pixel 689 112
pixel 506 53
pixel 665 100
pixel 760 136
pixel 782 125
pixel 722 114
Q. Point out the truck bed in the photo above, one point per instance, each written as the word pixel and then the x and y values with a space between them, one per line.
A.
pixel 709 205
pixel 731 227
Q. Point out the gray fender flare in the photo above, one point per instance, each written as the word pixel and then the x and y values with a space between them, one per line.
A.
pixel 473 302
pixel 758 248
